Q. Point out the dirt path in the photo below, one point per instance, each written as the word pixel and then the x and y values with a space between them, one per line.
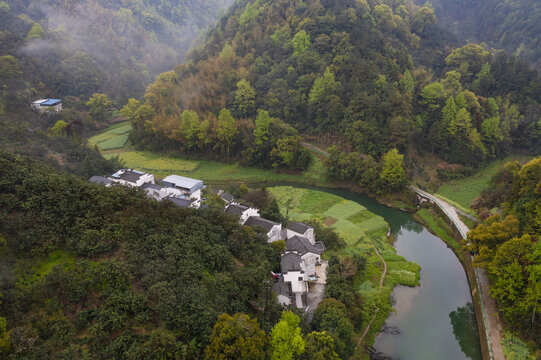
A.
pixel 315 148
pixel 377 310
pixel 491 316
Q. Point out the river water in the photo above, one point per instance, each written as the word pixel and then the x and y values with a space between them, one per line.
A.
pixel 436 320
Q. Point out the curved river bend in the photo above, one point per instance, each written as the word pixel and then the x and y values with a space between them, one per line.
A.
pixel 435 320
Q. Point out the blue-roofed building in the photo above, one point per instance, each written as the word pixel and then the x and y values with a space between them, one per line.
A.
pixel 47 105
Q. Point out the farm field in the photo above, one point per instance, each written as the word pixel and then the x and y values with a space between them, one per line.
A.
pixel 463 191
pixel 112 142
pixel 114 137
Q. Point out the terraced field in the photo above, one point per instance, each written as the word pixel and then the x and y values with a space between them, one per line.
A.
pixel 351 220
pixel 114 137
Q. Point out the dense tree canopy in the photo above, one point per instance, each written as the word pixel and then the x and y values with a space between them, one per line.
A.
pixel 121 273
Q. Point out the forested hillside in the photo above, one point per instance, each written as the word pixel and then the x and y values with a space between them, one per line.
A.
pixel 372 74
pixel 76 48
pixel 512 25
pixel 507 244
pixel 95 272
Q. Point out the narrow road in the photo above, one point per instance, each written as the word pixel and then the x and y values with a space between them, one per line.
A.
pixel 377 310
pixel 314 148
pixel 491 316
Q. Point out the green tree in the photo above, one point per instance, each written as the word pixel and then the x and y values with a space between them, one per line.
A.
pixel 301 43
pixel 99 106
pixel 286 340
pixel 245 98
pixel 237 337
pixel 393 175
pixel 58 129
pixel 320 346
pixel 331 317
pixel 468 61
pixel 323 100
pixel 128 110
pixel 423 18
pixel 35 32
pixel 262 124
pixel 227 130
pixel 189 128
pixel 461 123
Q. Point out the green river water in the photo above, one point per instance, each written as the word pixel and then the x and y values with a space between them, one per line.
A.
pixel 434 321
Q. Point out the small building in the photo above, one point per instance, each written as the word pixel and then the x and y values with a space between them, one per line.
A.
pixel 181 202
pixel 294 274
pixel 129 177
pixel 242 211
pixel 100 180
pixel 184 187
pixel 155 191
pixel 47 105
pixel 310 253
pixel 227 197
pixel 272 229
pixel 301 229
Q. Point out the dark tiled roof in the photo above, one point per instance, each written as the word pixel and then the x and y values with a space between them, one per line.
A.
pixel 236 209
pixel 290 262
pixel 228 197
pixel 264 223
pixel 302 245
pixel 298 227
pixel 180 202
pixel 152 186
pixel 99 180
pixel 281 288
pixel 130 176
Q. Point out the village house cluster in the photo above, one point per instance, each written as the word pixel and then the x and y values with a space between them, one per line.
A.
pixel 182 191
pixel 301 261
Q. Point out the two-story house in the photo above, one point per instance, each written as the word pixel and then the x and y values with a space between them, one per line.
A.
pixel 129 177
pixel 242 211
pixel 301 229
pixel 294 276
pixel 184 188
pixel 310 253
pixel 272 229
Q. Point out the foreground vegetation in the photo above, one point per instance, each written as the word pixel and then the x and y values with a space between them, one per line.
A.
pixel 507 245
pixel 90 271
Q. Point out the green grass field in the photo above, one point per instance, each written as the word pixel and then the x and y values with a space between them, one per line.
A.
pixel 464 191
pixel 112 142
pixel 147 161
pixel 39 268
pixel 114 137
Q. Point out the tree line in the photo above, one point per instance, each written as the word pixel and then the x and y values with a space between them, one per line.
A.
pixel 507 244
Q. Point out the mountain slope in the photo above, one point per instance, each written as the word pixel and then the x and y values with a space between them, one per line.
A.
pixel 80 47
pixel 370 75
pixel 512 25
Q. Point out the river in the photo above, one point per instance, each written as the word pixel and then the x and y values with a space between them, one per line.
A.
pixel 435 320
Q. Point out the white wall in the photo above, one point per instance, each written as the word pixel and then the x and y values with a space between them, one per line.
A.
pixel 275 234
pixel 297 286
pixel 246 214
pixel 309 234
pixel 310 260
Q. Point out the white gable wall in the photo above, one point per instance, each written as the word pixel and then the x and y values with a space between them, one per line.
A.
pixel 310 260
pixel 275 234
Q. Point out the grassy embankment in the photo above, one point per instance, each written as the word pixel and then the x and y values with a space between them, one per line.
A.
pixel 113 142
pixel 462 192
pixel 362 231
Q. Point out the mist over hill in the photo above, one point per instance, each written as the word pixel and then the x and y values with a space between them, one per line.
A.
pixel 511 25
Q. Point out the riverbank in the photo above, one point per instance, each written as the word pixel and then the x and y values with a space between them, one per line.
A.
pixel 365 234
